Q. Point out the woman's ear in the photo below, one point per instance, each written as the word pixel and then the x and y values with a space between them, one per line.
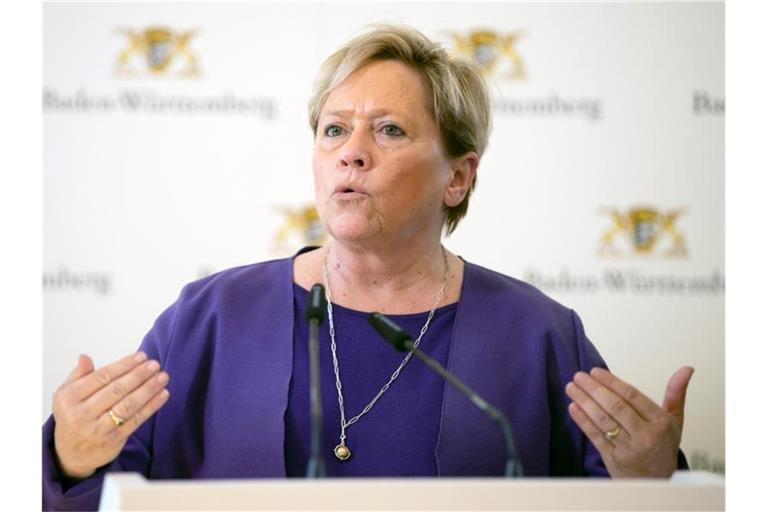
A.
pixel 463 171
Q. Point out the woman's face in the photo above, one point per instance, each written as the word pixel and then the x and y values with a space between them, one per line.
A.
pixel 379 166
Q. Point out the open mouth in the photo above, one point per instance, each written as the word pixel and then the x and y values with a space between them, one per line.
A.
pixel 348 192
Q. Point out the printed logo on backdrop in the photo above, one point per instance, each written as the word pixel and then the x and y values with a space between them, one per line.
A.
pixel 300 227
pixel 637 234
pixel 495 52
pixel 499 54
pixel 66 280
pixel 708 104
pixel 148 54
pixel 156 51
pixel 643 231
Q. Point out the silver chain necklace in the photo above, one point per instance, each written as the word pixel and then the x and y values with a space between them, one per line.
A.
pixel 341 450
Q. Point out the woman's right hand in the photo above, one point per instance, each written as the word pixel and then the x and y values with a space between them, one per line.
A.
pixel 86 435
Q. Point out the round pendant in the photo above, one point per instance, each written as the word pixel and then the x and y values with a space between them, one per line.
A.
pixel 342 452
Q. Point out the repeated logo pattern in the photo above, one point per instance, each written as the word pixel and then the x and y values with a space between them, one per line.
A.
pixel 157 51
pixel 645 229
pixel 493 51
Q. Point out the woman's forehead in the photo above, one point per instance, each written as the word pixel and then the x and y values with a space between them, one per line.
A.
pixel 378 88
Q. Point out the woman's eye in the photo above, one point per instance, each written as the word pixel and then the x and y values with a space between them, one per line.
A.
pixel 332 130
pixel 392 131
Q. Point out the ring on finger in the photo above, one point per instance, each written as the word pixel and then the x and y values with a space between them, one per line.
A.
pixel 115 418
pixel 612 434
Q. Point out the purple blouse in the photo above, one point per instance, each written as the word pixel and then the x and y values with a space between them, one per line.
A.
pixel 237 386
pixel 398 436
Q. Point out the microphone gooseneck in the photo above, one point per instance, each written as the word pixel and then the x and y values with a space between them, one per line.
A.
pixel 403 342
pixel 316 304
pixel 391 332
pixel 315 314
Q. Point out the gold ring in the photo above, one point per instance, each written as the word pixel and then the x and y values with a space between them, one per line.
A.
pixel 613 433
pixel 115 418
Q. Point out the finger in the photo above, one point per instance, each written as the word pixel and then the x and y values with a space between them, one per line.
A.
pixel 597 414
pixel 126 409
pixel 591 430
pixel 83 367
pixel 89 384
pixel 120 389
pixel 609 403
pixel 131 424
pixel 644 406
pixel 674 396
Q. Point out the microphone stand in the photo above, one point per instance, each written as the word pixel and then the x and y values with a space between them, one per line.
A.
pixel 315 312
pixel 402 341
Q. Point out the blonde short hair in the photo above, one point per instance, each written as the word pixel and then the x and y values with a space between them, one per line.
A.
pixel 457 92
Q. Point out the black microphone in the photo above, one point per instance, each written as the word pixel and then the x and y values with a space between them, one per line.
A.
pixel 315 314
pixel 403 342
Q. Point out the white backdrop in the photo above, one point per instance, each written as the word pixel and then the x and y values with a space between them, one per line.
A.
pixel 153 179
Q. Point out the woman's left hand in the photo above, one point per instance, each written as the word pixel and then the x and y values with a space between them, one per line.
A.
pixel 635 437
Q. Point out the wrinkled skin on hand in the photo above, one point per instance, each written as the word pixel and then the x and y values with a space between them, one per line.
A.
pixel 86 436
pixel 647 436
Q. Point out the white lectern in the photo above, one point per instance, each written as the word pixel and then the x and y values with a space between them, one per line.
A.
pixel 686 490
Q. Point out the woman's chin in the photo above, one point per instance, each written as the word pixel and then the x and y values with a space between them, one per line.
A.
pixel 352 230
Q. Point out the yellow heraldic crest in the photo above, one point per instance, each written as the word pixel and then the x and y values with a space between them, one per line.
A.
pixel 641 231
pixel 157 51
pixel 301 227
pixel 496 53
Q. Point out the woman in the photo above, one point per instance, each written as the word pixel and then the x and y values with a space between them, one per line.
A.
pixel 399 129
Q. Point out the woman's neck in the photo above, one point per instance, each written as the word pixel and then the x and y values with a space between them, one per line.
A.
pixel 391 281
pixel 394 269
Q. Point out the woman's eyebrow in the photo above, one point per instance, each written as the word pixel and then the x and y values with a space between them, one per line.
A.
pixel 379 112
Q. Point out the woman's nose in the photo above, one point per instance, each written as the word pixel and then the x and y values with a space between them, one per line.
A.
pixel 355 153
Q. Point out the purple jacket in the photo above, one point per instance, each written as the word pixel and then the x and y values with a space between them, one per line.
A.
pixel 227 345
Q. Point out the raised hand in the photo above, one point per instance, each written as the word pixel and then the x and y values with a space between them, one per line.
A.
pixel 635 436
pixel 96 410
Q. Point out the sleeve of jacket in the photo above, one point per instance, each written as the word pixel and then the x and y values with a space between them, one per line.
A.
pixel 571 452
pixel 589 358
pixel 60 493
